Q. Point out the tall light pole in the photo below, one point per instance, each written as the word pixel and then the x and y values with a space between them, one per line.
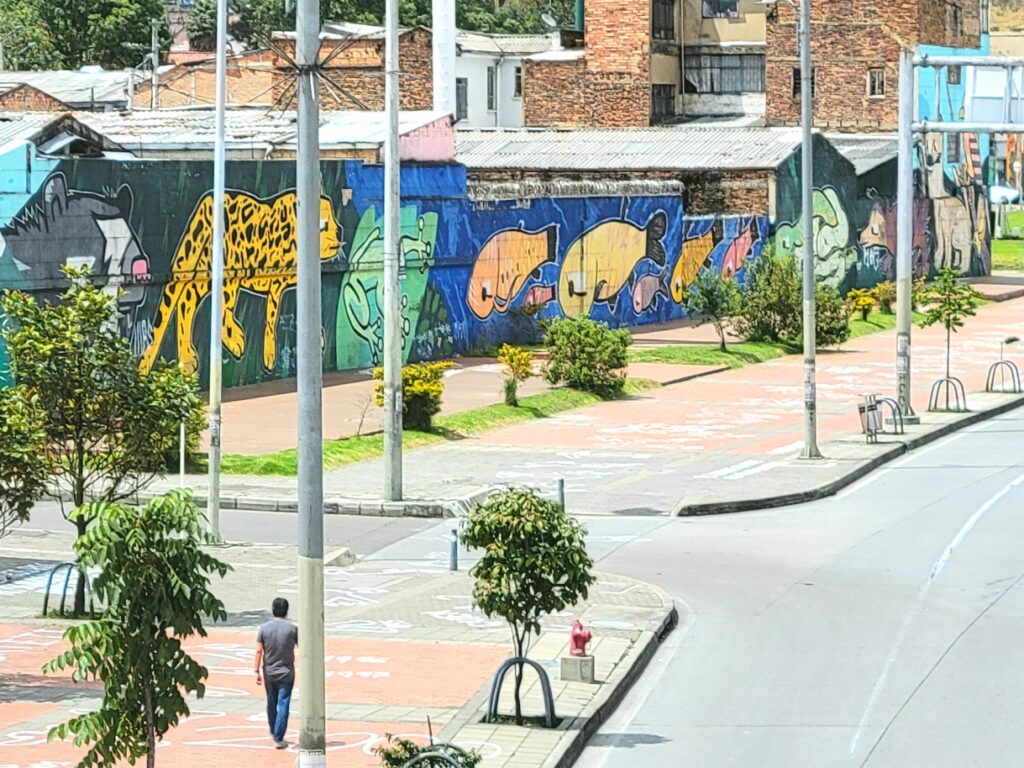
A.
pixel 392 281
pixel 312 724
pixel 217 271
pixel 810 449
pixel 905 236
pixel 154 49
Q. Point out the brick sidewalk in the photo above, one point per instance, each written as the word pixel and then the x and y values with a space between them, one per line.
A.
pixel 403 644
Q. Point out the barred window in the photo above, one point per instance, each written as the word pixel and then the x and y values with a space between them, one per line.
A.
pixel 721 9
pixel 797 82
pixel 724 73
pixel 876 82
pixel 663 26
pixel 663 101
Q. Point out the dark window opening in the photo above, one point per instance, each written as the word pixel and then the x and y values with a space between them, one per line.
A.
pixel 876 82
pixel 461 98
pixel 663 25
pixel 952 148
pixel 663 101
pixel 797 78
pixel 953 75
pixel 518 92
pixel 721 9
pixel 492 80
pixel 724 73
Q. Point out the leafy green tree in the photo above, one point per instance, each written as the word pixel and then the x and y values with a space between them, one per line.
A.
pixel 155 582
pixel 587 355
pixel 201 25
pixel 22 463
pixel 111 33
pixel 771 305
pixel 533 562
pixel 949 303
pixel 712 299
pixel 107 426
pixel 26 40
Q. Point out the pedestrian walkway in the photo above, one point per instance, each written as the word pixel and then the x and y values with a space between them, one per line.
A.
pixel 404 645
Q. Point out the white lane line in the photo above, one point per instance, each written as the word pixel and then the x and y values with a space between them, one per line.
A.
pixel 756 470
pixel 724 471
pixel 784 449
pixel 937 568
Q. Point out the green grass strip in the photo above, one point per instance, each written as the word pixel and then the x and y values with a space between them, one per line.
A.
pixel 736 355
pixel 455 426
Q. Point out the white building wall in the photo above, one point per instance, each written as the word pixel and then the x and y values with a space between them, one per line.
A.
pixel 508 112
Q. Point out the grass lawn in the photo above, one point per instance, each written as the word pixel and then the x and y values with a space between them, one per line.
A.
pixel 876 322
pixel 455 426
pixel 737 355
pixel 1008 254
pixel 1015 219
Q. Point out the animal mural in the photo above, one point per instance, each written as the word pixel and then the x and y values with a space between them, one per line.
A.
pixel 600 263
pixel 360 319
pixel 260 257
pixel 82 229
pixel 504 266
pixel 834 251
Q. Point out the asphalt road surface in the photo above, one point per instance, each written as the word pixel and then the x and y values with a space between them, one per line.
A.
pixel 884 627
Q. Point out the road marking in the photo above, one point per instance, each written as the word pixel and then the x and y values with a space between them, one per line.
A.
pixel 724 471
pixel 937 568
pixel 787 448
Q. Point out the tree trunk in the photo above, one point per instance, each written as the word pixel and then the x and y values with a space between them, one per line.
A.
pixel 721 336
pixel 147 695
pixel 519 705
pixel 80 525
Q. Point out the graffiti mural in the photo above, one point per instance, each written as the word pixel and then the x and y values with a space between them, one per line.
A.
pixel 834 251
pixel 505 264
pixel 260 257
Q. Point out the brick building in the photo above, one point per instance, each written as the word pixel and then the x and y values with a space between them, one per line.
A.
pixel 855 48
pixel 249 81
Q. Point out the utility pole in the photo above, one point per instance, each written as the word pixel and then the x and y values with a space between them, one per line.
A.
pixel 905 235
pixel 312 724
pixel 810 450
pixel 392 281
pixel 154 52
pixel 217 273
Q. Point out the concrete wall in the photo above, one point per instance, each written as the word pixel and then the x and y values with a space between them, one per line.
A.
pixel 508 112
pixel 477 273
pixel 748 27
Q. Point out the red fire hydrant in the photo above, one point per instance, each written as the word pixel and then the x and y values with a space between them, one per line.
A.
pixel 579 639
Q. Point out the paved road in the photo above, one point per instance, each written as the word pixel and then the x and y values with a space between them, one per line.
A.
pixel 880 628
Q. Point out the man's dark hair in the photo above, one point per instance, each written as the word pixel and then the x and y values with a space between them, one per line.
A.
pixel 279 607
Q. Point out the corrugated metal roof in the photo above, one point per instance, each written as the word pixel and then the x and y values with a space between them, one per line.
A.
pixel 249 129
pixel 25 126
pixel 74 88
pixel 865 151
pixel 680 148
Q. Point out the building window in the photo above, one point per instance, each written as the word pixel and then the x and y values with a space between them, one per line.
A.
pixel 952 147
pixel 953 75
pixel 796 82
pixel 984 17
pixel 461 98
pixel 954 20
pixel 664 20
pixel 721 9
pixel 663 101
pixel 724 73
pixel 876 83
pixel 492 82
pixel 518 92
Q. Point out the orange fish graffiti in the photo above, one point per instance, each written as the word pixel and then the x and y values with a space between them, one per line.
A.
pixel 504 265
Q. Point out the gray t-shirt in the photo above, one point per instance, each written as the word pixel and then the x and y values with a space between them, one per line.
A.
pixel 279 638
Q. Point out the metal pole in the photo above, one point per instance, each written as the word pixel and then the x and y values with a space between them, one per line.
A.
pixel 154 49
pixel 310 380
pixel 392 283
pixel 905 236
pixel 217 273
pixel 810 450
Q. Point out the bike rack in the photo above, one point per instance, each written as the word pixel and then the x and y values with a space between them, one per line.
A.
pixel 948 385
pixel 1004 368
pixel 545 686
pixel 64 590
pixel 895 412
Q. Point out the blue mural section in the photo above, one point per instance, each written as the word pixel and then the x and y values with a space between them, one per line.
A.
pixel 474 273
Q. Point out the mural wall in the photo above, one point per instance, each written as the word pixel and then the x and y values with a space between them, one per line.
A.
pixel 474 274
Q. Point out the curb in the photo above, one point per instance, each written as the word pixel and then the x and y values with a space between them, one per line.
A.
pixel 641 657
pixel 901 448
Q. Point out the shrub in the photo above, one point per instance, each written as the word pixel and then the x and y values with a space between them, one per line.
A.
pixel 861 300
pixel 712 299
pixel 917 293
pixel 422 387
pixel 587 355
pixel 885 295
pixel 518 368
pixel 397 752
pixel 832 318
pixel 771 303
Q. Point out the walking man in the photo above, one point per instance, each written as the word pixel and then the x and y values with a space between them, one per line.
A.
pixel 275 667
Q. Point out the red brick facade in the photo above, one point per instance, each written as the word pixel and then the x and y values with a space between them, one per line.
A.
pixel 353 78
pixel 853 43
pixel 26 98
pixel 610 85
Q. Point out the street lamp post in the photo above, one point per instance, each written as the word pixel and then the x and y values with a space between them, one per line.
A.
pixel 810 449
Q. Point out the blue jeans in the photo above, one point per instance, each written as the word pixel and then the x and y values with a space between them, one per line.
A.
pixel 279 699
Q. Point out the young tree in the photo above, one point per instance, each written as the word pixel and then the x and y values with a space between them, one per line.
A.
pixel 107 426
pixel 22 463
pixel 949 303
pixel 712 299
pixel 155 581
pixel 533 562
pixel 518 368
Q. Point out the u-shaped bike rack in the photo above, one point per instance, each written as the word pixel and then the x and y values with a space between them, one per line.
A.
pixel 545 685
pixel 64 590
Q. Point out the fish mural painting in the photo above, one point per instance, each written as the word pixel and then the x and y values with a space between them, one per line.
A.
pixel 738 251
pixel 599 264
pixel 648 290
pixel 697 249
pixel 505 265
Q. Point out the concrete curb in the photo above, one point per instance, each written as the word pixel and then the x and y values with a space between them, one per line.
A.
pixel 572 744
pixel 831 488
